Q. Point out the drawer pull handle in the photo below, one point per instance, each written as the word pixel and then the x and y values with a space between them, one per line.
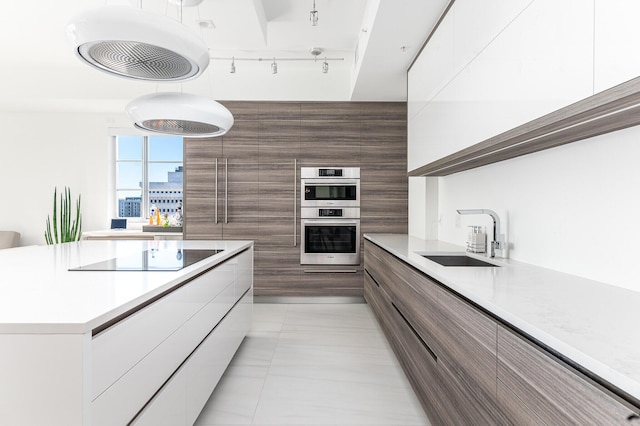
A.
pixel 433 355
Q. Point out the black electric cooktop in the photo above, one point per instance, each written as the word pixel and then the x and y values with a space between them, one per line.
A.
pixel 151 260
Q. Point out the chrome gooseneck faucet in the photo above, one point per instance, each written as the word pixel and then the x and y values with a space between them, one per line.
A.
pixel 497 243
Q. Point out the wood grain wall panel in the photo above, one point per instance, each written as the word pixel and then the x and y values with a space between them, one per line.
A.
pixel 328 111
pixel 370 225
pixel 380 145
pixel 276 232
pixel 202 151
pixel 261 148
pixel 243 111
pixel 276 282
pixel 276 202
pixel 347 132
pixel 199 182
pixel 241 142
pixel 383 111
pixel 241 203
pixel 332 284
pixel 242 171
pixel 199 186
pixel 279 140
pixel 330 143
pixel 280 110
pixel 200 223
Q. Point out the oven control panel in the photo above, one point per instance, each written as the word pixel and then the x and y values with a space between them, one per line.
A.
pixel 329 212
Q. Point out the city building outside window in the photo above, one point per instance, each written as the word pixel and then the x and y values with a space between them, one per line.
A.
pixel 148 172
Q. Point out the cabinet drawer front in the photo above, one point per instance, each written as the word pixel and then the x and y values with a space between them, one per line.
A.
pixel 417 360
pixel 468 337
pixel 555 393
pixel 181 399
pixel 401 283
pixel 122 400
pixel 516 410
pixel 117 349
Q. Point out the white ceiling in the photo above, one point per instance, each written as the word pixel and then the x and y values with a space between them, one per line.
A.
pixel 39 71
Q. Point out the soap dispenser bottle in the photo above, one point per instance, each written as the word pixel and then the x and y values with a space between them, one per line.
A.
pixel 476 240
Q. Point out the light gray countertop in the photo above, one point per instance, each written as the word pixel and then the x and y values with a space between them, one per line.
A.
pixel 591 323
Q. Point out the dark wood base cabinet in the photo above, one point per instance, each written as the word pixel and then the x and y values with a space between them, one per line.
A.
pixel 467 367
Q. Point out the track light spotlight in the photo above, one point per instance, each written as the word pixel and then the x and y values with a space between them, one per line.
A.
pixel 274 67
pixel 313 15
pixel 325 66
pixel 233 66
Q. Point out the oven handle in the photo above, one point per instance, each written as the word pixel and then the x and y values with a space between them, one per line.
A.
pixel 330 181
pixel 331 221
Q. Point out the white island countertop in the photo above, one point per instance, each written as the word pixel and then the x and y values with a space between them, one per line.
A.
pixel 593 324
pixel 39 294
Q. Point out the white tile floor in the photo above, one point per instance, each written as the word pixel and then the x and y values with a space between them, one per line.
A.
pixel 313 364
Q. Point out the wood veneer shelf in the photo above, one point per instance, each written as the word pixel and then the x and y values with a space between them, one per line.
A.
pixel 607 111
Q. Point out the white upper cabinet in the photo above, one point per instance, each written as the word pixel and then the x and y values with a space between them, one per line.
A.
pixel 433 69
pixel 513 61
pixel 617 47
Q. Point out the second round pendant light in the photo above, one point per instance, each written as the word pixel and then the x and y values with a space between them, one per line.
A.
pixel 180 114
pixel 132 43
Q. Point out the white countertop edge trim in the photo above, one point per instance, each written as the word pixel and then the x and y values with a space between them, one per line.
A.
pixel 606 373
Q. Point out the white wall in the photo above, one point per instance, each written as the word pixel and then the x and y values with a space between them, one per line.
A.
pixel 44 150
pixel 573 208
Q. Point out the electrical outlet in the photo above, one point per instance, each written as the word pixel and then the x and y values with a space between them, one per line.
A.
pixel 458 223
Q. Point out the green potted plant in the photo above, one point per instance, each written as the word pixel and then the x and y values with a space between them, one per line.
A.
pixel 66 230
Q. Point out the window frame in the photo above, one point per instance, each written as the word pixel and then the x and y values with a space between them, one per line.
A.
pixel 145 163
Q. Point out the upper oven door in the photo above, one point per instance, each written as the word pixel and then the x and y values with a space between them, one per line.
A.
pixel 330 192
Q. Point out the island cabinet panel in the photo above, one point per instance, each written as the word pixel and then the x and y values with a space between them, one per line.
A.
pixel 181 399
pixel 542 385
pixel 141 355
pixel 119 348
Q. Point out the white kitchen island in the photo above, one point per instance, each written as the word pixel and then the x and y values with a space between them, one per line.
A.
pixel 117 347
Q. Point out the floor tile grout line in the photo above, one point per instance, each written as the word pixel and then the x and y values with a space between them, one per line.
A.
pixel 266 377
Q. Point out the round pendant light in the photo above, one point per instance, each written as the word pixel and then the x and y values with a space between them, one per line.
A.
pixel 180 114
pixel 132 43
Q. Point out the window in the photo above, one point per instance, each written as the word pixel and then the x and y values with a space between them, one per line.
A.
pixel 147 170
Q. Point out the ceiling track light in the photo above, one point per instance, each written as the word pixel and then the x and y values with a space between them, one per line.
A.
pixel 274 60
pixel 313 15
pixel 135 44
pixel 180 114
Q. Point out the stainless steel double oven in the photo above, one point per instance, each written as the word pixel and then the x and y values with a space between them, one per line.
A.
pixel 330 216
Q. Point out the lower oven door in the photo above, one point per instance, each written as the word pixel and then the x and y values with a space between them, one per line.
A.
pixel 330 242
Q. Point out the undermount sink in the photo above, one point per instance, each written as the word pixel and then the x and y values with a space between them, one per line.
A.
pixel 457 260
